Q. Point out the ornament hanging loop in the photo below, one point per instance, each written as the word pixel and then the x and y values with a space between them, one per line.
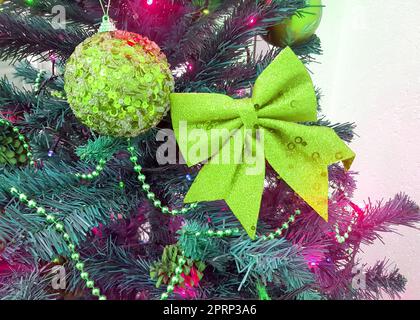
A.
pixel 106 25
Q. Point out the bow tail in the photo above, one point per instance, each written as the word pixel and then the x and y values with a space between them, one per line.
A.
pixel 244 198
pixel 237 185
pixel 301 156
pixel 239 181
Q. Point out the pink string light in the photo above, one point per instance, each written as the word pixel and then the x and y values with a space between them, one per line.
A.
pixel 252 20
pixel 189 66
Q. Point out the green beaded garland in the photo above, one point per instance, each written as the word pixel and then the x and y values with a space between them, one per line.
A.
pixel 268 237
pixel 157 203
pixel 80 266
pixel 84 275
pixel 75 256
pixel 146 187
pixel 96 292
pixel 118 83
pixel 60 227
pixel 50 218
pixel 31 204
pixel 341 239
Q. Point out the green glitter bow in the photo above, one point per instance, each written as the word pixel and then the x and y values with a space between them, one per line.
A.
pixel 283 96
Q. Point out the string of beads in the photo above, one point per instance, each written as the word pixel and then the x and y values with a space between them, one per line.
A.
pixel 342 238
pixel 175 279
pixel 59 227
pixel 151 195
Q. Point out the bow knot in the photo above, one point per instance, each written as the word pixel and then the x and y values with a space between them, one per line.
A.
pixel 248 113
pixel 283 97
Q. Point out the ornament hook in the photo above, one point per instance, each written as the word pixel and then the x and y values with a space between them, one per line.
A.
pixel 107 24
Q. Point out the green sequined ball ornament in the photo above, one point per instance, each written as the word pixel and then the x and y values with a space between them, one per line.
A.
pixel 118 83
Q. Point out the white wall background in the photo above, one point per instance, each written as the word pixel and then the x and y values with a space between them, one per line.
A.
pixel 370 75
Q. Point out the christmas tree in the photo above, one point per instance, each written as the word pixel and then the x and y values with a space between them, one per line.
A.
pixel 101 196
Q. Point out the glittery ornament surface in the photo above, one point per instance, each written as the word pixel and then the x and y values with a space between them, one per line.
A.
pixel 118 83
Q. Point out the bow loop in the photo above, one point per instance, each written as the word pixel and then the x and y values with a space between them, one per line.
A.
pixel 216 112
pixel 284 90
